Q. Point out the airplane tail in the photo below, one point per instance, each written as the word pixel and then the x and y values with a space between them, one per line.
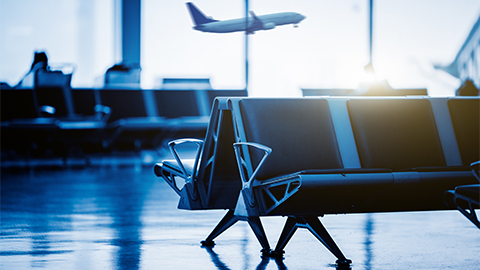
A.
pixel 197 16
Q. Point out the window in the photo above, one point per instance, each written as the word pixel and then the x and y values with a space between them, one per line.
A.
pixel 76 33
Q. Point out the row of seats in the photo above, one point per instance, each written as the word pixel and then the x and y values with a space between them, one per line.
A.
pixel 412 138
pixel 125 103
pixel 99 119
pixel 308 157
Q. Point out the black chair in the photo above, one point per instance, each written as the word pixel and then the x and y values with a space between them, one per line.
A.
pixel 178 103
pixel 130 126
pixel 17 104
pixel 52 88
pixel 187 110
pixel 19 118
pixel 35 111
pixel 465 113
pixel 80 118
pixel 401 135
pixel 466 198
pixel 215 182
pixel 395 134
pixel 85 100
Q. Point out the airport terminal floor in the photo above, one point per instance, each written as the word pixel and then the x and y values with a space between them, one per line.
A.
pixel 116 214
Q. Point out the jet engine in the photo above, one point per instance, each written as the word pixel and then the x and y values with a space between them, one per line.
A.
pixel 268 26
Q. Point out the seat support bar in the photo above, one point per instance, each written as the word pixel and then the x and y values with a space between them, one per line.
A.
pixel 259 232
pixel 229 220
pixel 313 224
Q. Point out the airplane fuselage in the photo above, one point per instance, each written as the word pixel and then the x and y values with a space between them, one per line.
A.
pixel 268 21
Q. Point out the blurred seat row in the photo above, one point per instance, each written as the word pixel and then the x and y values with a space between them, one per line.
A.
pixel 51 117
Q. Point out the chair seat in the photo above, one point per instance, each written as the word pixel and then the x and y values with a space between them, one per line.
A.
pixel 81 125
pixel 172 166
pixel 357 191
pixel 39 122
pixel 438 169
pixel 140 123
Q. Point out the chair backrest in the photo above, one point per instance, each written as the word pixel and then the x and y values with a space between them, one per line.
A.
pixel 395 133
pixel 214 93
pixel 177 103
pixel 465 115
pixel 52 88
pixel 84 101
pixel 218 178
pixel 17 104
pixel 123 103
pixel 299 131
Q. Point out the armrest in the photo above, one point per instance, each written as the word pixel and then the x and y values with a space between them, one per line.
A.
pixel 175 154
pixel 102 112
pixel 247 181
pixel 47 111
pixel 476 169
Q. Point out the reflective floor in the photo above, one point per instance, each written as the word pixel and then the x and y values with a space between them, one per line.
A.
pixel 120 216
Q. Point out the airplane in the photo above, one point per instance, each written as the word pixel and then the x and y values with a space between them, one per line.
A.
pixel 255 23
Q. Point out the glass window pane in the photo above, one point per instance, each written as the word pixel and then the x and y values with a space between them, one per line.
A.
pixel 73 32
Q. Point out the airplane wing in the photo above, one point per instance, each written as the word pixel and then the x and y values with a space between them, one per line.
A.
pixel 257 24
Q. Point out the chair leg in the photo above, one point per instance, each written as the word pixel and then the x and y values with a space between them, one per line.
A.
pixel 313 224
pixel 316 228
pixel 288 231
pixel 259 232
pixel 227 221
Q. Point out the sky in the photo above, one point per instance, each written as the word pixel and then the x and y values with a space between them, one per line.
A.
pixel 329 49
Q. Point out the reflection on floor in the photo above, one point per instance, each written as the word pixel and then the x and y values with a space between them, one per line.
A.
pixel 115 214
